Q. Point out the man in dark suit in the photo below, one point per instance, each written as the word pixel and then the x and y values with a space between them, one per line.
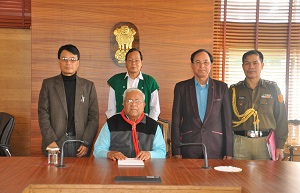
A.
pixel 202 113
pixel 68 107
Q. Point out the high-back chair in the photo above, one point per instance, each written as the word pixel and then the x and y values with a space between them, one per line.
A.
pixel 165 125
pixel 7 123
pixel 292 146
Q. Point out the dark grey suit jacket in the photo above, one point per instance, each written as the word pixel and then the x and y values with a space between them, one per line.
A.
pixel 53 112
pixel 216 129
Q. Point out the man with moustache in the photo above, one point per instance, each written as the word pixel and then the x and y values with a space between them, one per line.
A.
pixel 133 78
pixel 202 113
pixel 258 108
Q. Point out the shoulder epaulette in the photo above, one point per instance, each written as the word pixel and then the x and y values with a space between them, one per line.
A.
pixel 237 84
pixel 270 82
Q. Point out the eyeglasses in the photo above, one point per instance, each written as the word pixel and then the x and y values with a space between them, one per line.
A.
pixel 134 61
pixel 71 60
pixel 131 101
pixel 198 63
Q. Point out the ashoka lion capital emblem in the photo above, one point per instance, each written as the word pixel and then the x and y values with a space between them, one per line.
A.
pixel 124 37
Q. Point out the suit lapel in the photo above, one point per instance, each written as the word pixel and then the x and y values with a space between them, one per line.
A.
pixel 61 92
pixel 210 98
pixel 79 96
pixel 193 99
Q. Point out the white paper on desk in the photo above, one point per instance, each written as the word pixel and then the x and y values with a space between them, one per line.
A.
pixel 130 162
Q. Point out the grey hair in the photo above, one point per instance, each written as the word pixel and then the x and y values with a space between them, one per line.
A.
pixel 131 90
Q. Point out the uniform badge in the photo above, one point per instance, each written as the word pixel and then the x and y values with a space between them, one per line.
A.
pixel 266 96
pixel 280 98
pixel 241 97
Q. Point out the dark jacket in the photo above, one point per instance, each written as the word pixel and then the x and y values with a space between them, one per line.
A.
pixel 216 129
pixel 53 112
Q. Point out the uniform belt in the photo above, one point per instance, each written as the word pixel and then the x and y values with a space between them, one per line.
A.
pixel 70 134
pixel 252 133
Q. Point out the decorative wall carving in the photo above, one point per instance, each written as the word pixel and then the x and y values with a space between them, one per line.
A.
pixel 124 36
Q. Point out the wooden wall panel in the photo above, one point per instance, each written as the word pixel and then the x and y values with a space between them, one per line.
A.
pixel 169 32
pixel 15 85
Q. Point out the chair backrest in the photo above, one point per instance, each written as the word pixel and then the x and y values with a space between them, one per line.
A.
pixel 166 127
pixel 7 123
pixel 292 144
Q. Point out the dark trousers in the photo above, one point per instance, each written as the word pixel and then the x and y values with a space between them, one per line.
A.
pixel 70 148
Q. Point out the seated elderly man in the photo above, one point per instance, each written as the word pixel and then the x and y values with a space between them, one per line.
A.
pixel 131 133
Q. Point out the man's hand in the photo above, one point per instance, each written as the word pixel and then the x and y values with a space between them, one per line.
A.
pixel 143 155
pixel 53 145
pixel 226 157
pixel 279 154
pixel 177 156
pixel 82 151
pixel 115 155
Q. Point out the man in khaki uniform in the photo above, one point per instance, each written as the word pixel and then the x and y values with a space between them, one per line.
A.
pixel 258 108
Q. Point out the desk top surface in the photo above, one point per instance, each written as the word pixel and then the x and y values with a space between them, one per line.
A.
pixel 16 173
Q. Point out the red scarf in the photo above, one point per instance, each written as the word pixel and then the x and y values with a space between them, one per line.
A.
pixel 134 134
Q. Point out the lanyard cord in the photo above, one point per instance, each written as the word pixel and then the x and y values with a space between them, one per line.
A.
pixel 244 117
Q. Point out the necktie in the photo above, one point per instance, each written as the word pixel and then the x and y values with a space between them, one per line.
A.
pixel 134 134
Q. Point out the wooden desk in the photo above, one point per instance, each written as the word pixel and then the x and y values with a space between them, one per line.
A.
pixel 16 173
